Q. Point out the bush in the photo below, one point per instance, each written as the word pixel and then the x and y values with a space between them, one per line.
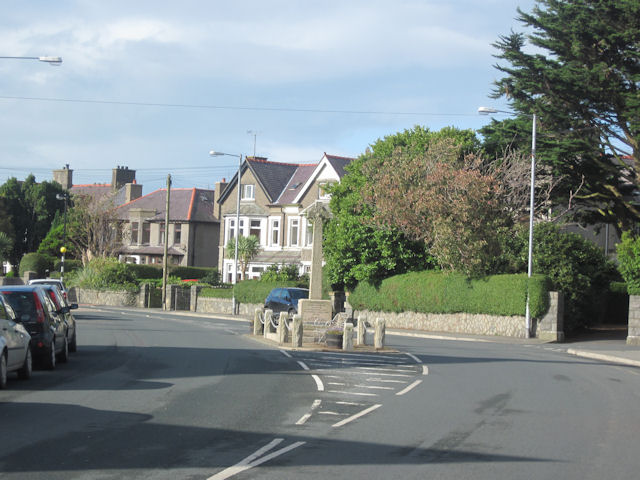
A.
pixel 629 262
pixel 576 267
pixel 438 292
pixel 35 262
pixel 191 272
pixel 105 274
pixel 145 272
pixel 217 292
pixel 69 265
pixel 212 278
pixel 280 273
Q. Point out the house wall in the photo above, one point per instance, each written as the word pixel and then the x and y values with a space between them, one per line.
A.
pixel 204 252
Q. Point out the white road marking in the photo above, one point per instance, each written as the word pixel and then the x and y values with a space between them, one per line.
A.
pixel 303 365
pixel 286 354
pixel 319 383
pixel 353 393
pixel 354 404
pixel 357 415
pixel 380 380
pixel 410 387
pixel 373 387
pixel 253 460
pixel 307 416
pixel 336 414
pixel 378 369
pixel 336 383
pixel 416 359
pixel 425 370
pixel 369 373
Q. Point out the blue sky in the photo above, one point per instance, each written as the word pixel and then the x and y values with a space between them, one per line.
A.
pixel 155 85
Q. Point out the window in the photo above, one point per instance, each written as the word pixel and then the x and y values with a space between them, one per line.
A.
pixel 254 228
pixel 231 231
pixel 294 232
pixel 134 232
pixel 308 240
pixel 177 234
pixel 146 233
pixel 161 235
pixel 248 192
pixel 275 232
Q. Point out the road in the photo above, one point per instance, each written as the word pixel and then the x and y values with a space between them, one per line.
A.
pixel 163 396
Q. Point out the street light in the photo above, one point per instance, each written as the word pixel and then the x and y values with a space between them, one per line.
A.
pixel 63 249
pixel 234 277
pixel 486 111
pixel 53 61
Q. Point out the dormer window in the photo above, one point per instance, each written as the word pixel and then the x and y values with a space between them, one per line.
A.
pixel 248 192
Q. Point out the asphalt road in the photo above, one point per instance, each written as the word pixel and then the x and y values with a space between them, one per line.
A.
pixel 173 397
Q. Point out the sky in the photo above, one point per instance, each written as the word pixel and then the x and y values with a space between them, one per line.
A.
pixel 155 85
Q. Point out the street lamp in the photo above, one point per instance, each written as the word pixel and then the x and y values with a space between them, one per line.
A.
pixel 486 111
pixel 63 249
pixel 234 277
pixel 53 61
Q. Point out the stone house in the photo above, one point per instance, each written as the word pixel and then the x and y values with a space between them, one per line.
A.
pixel 193 228
pixel 273 199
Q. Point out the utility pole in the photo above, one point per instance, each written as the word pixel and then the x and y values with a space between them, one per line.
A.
pixel 166 245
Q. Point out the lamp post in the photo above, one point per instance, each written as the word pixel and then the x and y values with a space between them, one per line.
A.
pixel 234 276
pixel 486 111
pixel 53 61
pixel 63 249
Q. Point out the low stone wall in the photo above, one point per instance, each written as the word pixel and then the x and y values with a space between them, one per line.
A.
pixel 224 306
pixel 548 328
pixel 633 335
pixel 96 297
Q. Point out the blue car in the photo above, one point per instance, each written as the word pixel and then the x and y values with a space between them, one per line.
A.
pixel 285 299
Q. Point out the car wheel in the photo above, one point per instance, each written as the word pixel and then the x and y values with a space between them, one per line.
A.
pixel 50 360
pixel 3 370
pixel 27 367
pixel 63 356
pixel 73 346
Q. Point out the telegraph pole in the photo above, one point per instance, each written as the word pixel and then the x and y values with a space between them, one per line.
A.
pixel 166 246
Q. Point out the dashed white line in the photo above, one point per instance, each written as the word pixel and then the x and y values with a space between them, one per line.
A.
pixel 303 365
pixel 353 404
pixel 416 359
pixel 286 354
pixel 380 380
pixel 373 387
pixel 425 370
pixel 357 415
pixel 319 383
pixel 410 387
pixel 362 394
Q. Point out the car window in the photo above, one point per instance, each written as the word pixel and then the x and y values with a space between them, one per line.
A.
pixel 3 312
pixel 22 303
pixel 298 294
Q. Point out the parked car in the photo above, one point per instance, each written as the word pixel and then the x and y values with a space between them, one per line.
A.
pixel 15 353
pixel 51 281
pixel 48 330
pixel 63 308
pixel 285 299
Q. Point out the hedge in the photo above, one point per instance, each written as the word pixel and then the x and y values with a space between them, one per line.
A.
pixel 35 262
pixel 211 292
pixel 438 292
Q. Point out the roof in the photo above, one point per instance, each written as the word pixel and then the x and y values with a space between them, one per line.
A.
pixel 186 205
pixel 283 182
pixel 96 191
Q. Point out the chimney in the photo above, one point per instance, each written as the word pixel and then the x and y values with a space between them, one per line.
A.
pixel 121 176
pixel 132 191
pixel 64 177
pixel 219 188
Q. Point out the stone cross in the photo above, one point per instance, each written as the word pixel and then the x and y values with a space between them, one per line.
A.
pixel 318 213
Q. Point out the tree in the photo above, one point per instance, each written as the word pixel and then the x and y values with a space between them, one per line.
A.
pixel 355 249
pixel 5 246
pixel 582 80
pixel 248 248
pixel 31 208
pixel 439 199
pixel 93 229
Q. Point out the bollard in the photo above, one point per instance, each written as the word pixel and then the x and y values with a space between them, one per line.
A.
pixel 268 313
pixel 296 331
pixel 347 336
pixel 378 340
pixel 282 328
pixel 257 324
pixel 362 330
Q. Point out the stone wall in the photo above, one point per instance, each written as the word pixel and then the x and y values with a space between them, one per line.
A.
pixel 633 335
pixel 224 306
pixel 95 297
pixel 548 328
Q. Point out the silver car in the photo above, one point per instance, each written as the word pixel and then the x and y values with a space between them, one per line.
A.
pixel 15 354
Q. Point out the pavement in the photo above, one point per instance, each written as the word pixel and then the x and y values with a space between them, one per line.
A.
pixel 607 343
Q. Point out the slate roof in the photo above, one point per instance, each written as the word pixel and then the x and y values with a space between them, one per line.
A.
pixel 339 163
pixel 186 205
pixel 96 191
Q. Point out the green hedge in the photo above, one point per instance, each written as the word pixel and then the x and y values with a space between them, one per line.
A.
pixel 191 272
pixel 211 292
pixel 437 292
pixel 35 262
